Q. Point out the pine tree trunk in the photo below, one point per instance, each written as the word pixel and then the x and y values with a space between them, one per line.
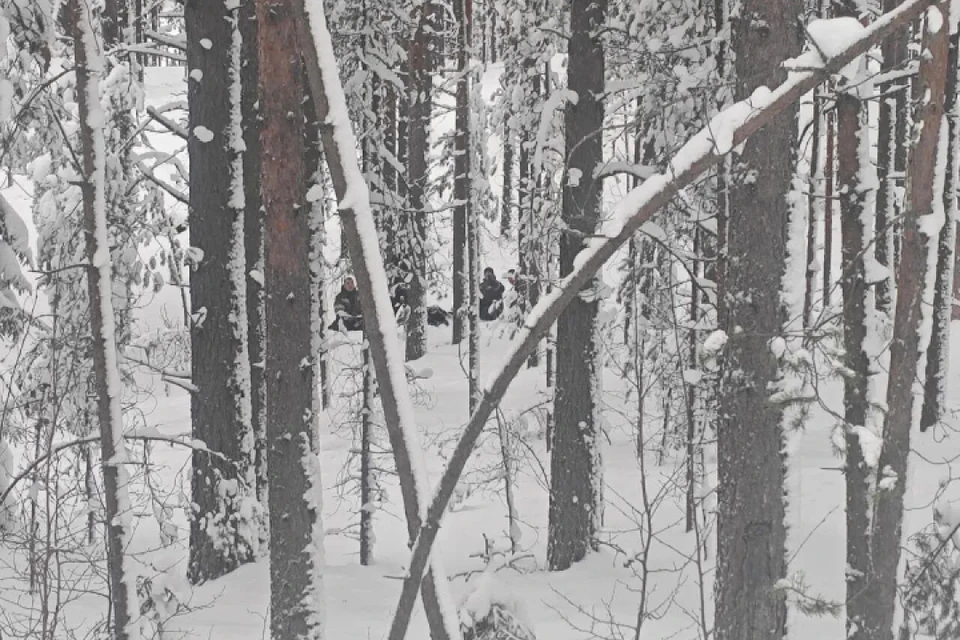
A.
pixel 506 196
pixel 852 133
pixel 118 512
pixel 253 243
pixel 828 197
pixel 813 208
pixel 296 532
pixel 221 538
pixel 751 533
pixel 907 344
pixel 462 10
pixel 576 499
pixel 891 156
pixel 935 379
pixel 420 61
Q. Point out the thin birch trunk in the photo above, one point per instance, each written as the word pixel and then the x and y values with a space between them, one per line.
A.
pixel 118 513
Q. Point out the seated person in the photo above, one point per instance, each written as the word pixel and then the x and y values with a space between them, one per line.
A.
pixel 491 296
pixel 347 307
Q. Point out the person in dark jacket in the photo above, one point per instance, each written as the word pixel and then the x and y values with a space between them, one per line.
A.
pixel 347 307
pixel 491 296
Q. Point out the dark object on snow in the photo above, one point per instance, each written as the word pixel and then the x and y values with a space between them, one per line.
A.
pixel 491 296
pixel 498 624
pixel 347 307
pixel 398 292
pixel 437 317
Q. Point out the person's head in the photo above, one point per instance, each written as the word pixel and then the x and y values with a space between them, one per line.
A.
pixel 488 274
pixel 512 276
pixel 349 283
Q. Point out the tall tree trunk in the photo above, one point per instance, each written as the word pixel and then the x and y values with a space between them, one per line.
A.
pixel 253 242
pixel 935 379
pixel 828 197
pixel 576 498
pixel 506 197
pixel 296 531
pixel 815 204
pixel 751 534
pixel 118 512
pixel 853 138
pixel 367 481
pixel 462 11
pixel 891 156
pixel 221 535
pixel 913 277
pixel 420 63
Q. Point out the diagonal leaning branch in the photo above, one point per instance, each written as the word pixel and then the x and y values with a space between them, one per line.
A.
pixel 340 152
pixel 736 123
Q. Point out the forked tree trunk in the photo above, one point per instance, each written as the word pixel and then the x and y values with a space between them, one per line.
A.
pixel 907 343
pixel 296 532
pixel 118 512
pixel 576 498
pixel 751 534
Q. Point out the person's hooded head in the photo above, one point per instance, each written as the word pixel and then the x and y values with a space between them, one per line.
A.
pixel 488 274
pixel 512 276
pixel 349 284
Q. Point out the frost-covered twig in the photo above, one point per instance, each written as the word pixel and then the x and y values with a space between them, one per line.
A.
pixel 182 440
pixel 168 124
pixel 148 174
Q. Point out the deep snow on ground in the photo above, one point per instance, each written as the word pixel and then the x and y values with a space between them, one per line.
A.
pixel 579 603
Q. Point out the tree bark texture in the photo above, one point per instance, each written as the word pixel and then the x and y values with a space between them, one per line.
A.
pixel 296 538
pixel 420 63
pixel 220 362
pixel 751 532
pixel 253 242
pixel 935 379
pixel 463 10
pixel 891 156
pixel 576 496
pixel 906 345
pixel 117 514
pixel 851 125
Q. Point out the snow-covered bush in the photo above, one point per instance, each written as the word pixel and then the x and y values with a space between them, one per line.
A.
pixel 490 612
